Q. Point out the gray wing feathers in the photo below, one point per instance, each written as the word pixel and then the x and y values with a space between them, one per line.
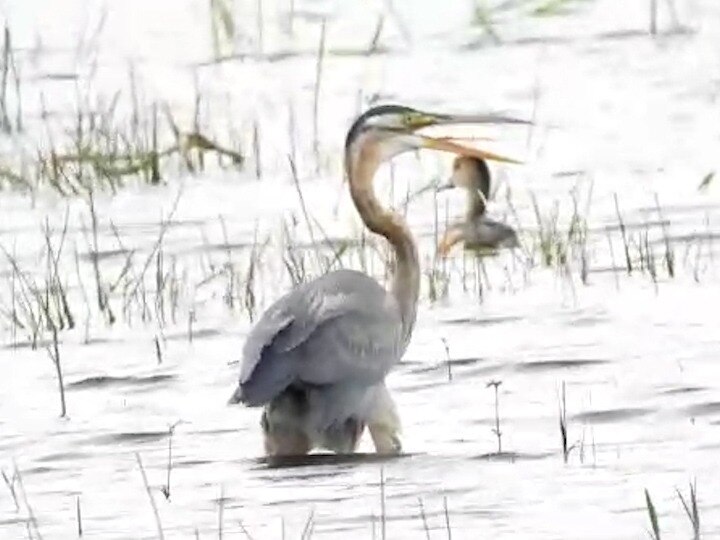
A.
pixel 337 328
pixel 358 346
pixel 264 332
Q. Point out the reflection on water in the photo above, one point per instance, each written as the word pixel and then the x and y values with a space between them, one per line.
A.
pixel 316 460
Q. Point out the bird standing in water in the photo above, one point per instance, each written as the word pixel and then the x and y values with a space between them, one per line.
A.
pixel 317 359
pixel 477 232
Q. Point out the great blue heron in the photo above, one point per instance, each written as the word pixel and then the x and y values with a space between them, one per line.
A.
pixel 477 232
pixel 318 357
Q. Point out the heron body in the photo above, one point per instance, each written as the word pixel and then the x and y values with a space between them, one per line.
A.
pixel 318 358
pixel 316 361
pixel 477 231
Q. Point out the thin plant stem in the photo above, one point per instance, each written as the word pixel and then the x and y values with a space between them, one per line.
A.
pixel 316 97
pixel 447 518
pixel 382 504
pixel 156 514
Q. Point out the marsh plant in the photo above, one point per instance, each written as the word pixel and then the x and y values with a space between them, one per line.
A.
pixel 102 148
pixel 91 273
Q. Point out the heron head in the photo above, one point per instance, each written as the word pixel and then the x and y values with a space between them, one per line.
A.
pixel 393 129
pixel 469 173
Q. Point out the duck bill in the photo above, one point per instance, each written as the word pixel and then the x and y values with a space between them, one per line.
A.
pixel 444 187
pixel 447 145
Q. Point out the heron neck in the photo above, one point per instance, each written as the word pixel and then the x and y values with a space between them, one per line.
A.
pixel 406 279
pixel 476 204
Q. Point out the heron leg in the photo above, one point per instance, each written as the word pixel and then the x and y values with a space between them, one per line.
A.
pixel 384 424
pixel 283 425
pixel 343 437
pixel 355 430
pixel 283 440
pixel 385 438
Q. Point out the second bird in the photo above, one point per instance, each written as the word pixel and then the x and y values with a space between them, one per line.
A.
pixel 477 232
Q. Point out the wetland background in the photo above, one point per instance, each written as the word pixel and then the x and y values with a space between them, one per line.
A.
pixel 169 168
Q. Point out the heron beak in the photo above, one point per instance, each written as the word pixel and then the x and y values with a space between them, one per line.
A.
pixel 425 119
pixel 422 120
pixel 446 145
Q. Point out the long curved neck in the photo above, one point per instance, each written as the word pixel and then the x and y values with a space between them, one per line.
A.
pixel 478 188
pixel 476 204
pixel 406 280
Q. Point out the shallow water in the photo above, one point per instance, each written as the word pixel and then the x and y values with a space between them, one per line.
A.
pixel 616 112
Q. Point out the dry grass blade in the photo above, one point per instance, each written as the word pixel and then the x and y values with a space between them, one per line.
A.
pixel 222 27
pixel 221 512
pixel 291 18
pixel 309 526
pixel 55 285
pixel 306 215
pixel 424 519
pixel 383 524
pixel 39 307
pixel 102 296
pixel 250 299
pixel 706 181
pixel 447 359
pixel 249 536
pixel 171 431
pixel 10 483
pixel 158 243
pixel 9 65
pixel 31 515
pixel 669 253
pixel 447 518
pixel 156 514
pixel 260 22
pixel 691 509
pixel 653 17
pixel 316 97
pixel 54 354
pixel 655 532
pixel 496 429
pixel 482 17
pixel 7 51
pixel 257 150
pixel 563 426
pixel 158 350
pixel 373 46
pixel 623 232
pixel 78 514
pixel 399 21
pixel 24 315
pixel 293 259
